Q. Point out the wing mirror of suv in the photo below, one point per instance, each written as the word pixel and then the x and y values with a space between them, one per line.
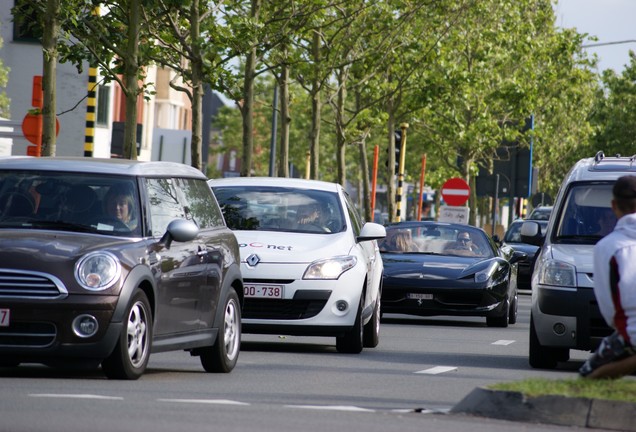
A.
pixel 180 230
pixel 531 233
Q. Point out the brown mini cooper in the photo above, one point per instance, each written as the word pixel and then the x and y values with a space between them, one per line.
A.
pixel 107 261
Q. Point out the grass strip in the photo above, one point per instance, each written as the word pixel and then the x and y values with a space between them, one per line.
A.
pixel 623 389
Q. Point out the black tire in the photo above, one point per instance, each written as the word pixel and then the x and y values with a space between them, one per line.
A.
pixel 372 328
pixel 512 315
pixel 223 355
pixel 352 341
pixel 541 357
pixel 130 357
pixel 500 321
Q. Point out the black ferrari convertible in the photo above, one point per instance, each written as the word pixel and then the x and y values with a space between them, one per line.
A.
pixel 434 268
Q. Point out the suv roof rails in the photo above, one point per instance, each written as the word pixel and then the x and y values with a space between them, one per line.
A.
pixel 600 156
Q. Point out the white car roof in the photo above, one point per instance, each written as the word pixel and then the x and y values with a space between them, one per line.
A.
pixel 276 181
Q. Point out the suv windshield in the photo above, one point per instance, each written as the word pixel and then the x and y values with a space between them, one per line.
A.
pixel 586 215
pixel 69 202
pixel 259 208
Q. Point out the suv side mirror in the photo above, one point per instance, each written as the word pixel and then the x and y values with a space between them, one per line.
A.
pixel 531 233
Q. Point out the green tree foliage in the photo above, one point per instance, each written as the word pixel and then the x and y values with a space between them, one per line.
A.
pixel 614 116
pixel 4 78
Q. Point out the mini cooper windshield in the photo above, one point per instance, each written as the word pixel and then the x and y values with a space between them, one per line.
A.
pixel 256 208
pixel 69 202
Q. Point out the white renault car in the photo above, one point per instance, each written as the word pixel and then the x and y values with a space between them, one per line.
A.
pixel 311 266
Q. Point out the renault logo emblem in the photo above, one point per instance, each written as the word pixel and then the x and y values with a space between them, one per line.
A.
pixel 252 260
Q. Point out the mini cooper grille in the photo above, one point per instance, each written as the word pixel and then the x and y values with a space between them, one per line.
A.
pixel 282 309
pixel 27 335
pixel 24 284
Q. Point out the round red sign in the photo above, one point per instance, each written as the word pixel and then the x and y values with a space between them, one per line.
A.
pixel 455 191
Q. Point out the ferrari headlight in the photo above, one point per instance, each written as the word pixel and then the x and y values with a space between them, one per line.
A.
pixel 557 273
pixel 97 271
pixel 486 274
pixel 330 268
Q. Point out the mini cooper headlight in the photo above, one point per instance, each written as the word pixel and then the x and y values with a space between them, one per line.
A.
pixel 97 271
pixel 330 268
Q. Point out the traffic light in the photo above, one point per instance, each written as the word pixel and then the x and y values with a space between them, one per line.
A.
pixel 398 150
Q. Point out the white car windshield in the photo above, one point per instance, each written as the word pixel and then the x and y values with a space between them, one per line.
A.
pixel 261 208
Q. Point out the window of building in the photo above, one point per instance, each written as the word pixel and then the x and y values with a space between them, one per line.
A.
pixel 102 117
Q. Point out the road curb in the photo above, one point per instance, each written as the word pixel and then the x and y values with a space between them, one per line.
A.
pixel 557 410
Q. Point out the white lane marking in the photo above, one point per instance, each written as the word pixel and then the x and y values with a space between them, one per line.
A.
pixel 205 401
pixel 437 370
pixel 75 396
pixel 331 407
pixel 503 342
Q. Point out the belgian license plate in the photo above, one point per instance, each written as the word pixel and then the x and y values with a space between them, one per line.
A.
pixel 263 291
pixel 419 296
pixel 5 315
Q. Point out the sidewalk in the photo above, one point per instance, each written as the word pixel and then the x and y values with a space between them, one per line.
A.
pixel 557 410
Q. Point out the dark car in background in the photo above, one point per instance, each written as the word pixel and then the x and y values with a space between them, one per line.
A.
pixel 540 213
pixel 512 238
pixel 434 268
pixel 107 261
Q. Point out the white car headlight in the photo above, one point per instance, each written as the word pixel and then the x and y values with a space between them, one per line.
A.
pixel 330 268
pixel 97 271
pixel 557 273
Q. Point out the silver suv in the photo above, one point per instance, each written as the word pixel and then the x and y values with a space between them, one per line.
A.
pixel 565 314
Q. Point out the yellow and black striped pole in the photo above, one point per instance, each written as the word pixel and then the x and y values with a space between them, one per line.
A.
pixel 398 196
pixel 91 108
pixel 89 134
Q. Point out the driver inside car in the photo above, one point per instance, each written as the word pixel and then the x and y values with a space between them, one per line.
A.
pixel 120 204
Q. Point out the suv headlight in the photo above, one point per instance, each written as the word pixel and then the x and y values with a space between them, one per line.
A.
pixel 97 271
pixel 330 268
pixel 557 273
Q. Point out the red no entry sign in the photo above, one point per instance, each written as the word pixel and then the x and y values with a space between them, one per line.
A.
pixel 455 191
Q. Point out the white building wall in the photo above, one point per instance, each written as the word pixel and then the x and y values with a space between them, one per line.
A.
pixel 25 61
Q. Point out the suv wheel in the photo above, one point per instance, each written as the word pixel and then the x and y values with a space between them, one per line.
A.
pixel 223 355
pixel 130 356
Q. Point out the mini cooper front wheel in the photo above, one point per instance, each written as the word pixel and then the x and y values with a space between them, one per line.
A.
pixel 130 356
pixel 223 355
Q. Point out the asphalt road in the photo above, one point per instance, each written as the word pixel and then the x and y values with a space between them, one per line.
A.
pixel 422 367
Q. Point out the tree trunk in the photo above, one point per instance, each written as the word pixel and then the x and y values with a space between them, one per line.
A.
pixel 340 126
pixel 49 77
pixel 390 171
pixel 131 69
pixel 283 161
pixel 314 146
pixel 247 110
pixel 196 145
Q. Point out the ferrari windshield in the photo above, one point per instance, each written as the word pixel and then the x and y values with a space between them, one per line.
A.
pixel 440 239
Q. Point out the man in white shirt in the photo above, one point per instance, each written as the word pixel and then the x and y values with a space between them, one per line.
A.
pixel 615 288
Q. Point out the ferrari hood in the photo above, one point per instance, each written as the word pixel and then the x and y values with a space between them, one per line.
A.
pixel 431 266
pixel 282 247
